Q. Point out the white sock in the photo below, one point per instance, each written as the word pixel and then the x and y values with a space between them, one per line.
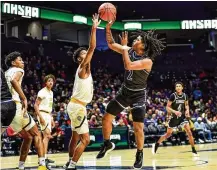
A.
pixel 45 155
pixel 21 165
pixel 42 161
pixel 72 164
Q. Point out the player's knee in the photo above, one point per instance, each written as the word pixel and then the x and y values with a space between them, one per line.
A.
pixel 138 129
pixel 107 118
pixel 85 140
pixel 168 134
pixel 34 131
pixel 28 138
pixel 189 133
pixel 138 114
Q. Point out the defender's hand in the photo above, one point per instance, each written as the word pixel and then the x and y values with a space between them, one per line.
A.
pixel 96 20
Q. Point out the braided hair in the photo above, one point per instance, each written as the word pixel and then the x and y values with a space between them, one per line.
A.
pixel 153 45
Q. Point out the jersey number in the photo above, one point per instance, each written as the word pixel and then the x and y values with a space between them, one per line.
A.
pixel 180 108
pixel 129 77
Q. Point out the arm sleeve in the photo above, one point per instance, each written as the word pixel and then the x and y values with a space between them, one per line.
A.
pixel 172 97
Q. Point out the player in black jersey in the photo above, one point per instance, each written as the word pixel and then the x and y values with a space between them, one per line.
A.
pixel 178 108
pixel 8 106
pixel 138 61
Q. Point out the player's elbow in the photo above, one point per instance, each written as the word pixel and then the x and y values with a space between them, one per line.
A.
pixel 110 46
pixel 128 66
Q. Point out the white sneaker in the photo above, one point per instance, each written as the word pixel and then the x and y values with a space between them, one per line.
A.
pixel 201 141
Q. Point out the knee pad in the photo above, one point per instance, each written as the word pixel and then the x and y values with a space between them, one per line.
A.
pixel 138 114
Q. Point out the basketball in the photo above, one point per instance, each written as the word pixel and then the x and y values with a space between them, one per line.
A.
pixel 107 12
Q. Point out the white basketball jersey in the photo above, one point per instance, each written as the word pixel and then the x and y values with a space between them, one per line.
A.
pixel 83 88
pixel 9 75
pixel 46 97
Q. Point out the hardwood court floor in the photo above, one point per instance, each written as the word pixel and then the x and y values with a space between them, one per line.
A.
pixel 168 158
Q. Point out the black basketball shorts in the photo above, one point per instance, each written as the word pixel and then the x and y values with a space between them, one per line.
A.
pixel 125 97
pixel 8 111
pixel 177 121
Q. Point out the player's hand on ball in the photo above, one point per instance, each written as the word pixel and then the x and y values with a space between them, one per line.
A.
pixel 124 38
pixel 96 20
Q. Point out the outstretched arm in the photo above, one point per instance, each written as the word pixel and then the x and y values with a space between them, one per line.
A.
pixel 92 44
pixel 135 65
pixel 110 40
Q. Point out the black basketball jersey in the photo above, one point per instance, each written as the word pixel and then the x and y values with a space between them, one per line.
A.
pixel 135 79
pixel 178 102
pixel 5 93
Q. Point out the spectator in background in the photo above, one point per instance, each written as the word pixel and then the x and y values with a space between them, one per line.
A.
pixel 41 50
pixel 202 130
pixel 93 122
pixel 63 114
pixel 197 93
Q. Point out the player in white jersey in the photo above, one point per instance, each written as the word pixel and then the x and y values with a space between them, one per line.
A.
pixel 43 108
pixel 22 122
pixel 82 94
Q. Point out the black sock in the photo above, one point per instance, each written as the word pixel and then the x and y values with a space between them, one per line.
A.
pixel 157 144
pixel 106 142
pixel 140 150
pixel 193 149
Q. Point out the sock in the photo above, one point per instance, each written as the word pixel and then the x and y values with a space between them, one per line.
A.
pixel 21 165
pixel 45 155
pixel 72 164
pixel 157 144
pixel 193 149
pixel 140 150
pixel 106 142
pixel 42 161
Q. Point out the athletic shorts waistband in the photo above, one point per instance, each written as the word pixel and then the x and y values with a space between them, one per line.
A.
pixel 6 101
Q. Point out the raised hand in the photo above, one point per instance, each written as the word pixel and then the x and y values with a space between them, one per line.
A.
pixel 124 38
pixel 96 20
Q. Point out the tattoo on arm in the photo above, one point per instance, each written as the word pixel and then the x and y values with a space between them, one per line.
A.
pixel 109 37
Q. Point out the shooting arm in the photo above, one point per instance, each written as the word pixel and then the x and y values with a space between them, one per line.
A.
pixel 135 65
pixel 111 43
